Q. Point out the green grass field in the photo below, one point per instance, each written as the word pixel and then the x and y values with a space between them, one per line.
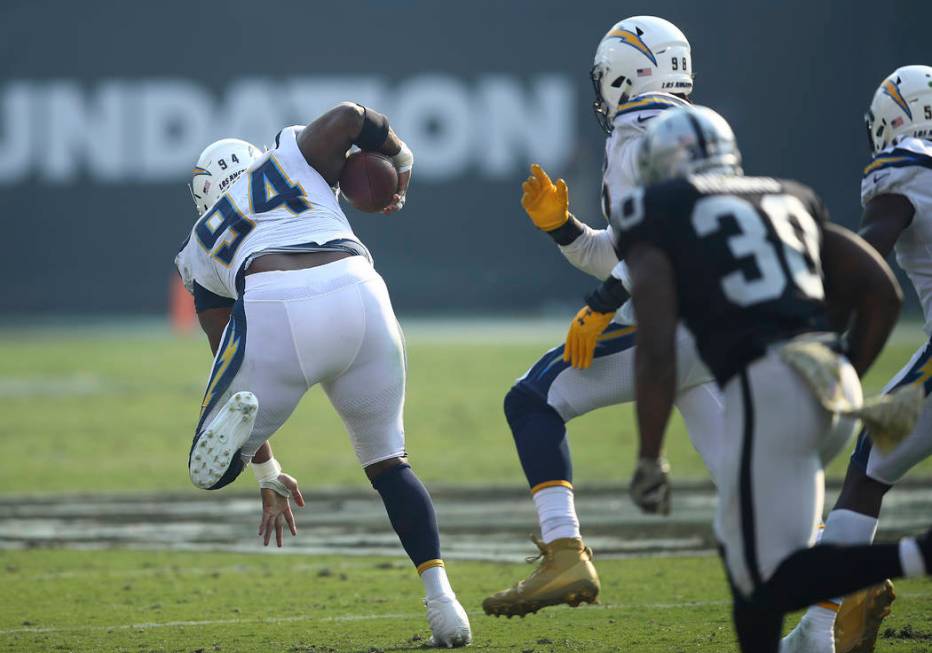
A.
pixel 127 601
pixel 104 412
pixel 101 411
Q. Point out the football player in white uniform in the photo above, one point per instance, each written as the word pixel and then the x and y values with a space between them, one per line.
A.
pixel 289 298
pixel 896 192
pixel 643 66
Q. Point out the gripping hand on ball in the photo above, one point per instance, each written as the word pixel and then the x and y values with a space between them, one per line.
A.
pixel 650 486
pixel 583 336
pixel 398 199
pixel 546 203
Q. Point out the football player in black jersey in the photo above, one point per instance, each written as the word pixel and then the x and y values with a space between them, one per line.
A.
pixel 758 274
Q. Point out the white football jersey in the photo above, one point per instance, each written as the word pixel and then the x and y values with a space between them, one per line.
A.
pixel 594 251
pixel 620 173
pixel 279 204
pixel 906 169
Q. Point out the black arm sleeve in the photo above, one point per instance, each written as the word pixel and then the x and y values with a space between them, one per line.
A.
pixel 566 234
pixel 608 297
pixel 204 299
pixel 374 130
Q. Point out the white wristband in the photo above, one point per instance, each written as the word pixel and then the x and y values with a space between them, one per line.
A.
pixel 404 160
pixel 267 471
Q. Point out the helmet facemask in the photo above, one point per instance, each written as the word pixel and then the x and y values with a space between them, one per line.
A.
pixel 869 125
pixel 604 112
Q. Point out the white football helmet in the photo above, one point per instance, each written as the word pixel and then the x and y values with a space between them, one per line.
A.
pixel 218 166
pixel 902 106
pixel 688 141
pixel 639 55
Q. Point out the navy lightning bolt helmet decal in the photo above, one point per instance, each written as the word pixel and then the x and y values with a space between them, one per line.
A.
pixel 632 39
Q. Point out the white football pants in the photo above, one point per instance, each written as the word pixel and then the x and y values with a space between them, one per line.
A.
pixel 771 485
pixel 332 325
pixel 891 466
pixel 610 381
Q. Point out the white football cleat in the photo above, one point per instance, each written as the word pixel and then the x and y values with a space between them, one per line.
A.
pixel 449 624
pixel 808 638
pixel 221 439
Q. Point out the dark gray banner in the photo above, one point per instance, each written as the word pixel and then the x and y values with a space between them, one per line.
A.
pixel 105 105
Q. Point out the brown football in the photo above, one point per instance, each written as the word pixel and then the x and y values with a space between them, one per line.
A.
pixel 369 181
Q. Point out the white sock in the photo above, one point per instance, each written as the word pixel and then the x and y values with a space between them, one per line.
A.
pixel 849 527
pixel 841 527
pixel 436 583
pixel 911 558
pixel 556 513
pixel 820 619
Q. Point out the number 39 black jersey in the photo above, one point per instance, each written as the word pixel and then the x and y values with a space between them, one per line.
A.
pixel 746 258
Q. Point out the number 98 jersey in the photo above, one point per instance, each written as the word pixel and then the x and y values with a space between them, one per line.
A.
pixel 280 204
pixel 746 258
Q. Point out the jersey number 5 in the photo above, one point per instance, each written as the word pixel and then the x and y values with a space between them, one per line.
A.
pixel 796 231
pixel 269 188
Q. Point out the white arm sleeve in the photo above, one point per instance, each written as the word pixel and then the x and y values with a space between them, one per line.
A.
pixel 593 252
pixel 620 272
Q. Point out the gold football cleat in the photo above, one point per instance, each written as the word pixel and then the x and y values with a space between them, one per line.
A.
pixel 565 575
pixel 860 616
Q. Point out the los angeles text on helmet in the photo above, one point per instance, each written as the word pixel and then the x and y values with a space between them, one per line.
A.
pixel 63 131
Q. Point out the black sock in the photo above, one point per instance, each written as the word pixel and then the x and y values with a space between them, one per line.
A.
pixel 826 571
pixel 411 512
pixel 925 547
pixel 540 437
pixel 758 628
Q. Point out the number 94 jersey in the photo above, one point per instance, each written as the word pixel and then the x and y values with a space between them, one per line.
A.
pixel 280 204
pixel 746 258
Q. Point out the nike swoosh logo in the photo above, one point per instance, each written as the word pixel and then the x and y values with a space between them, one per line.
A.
pixel 879 178
pixel 640 119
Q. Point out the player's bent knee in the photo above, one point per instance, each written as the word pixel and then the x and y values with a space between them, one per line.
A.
pixel 375 470
pixel 521 404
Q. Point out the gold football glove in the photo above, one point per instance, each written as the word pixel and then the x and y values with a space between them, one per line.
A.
pixel 546 203
pixel 583 336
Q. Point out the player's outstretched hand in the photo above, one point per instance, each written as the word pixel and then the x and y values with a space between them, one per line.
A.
pixel 276 508
pixel 398 199
pixel 546 203
pixel 583 336
pixel 650 486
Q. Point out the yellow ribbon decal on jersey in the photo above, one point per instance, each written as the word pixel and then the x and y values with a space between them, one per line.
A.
pixel 882 161
pixel 635 41
pixel 225 359
pixel 892 90
pixel 648 101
